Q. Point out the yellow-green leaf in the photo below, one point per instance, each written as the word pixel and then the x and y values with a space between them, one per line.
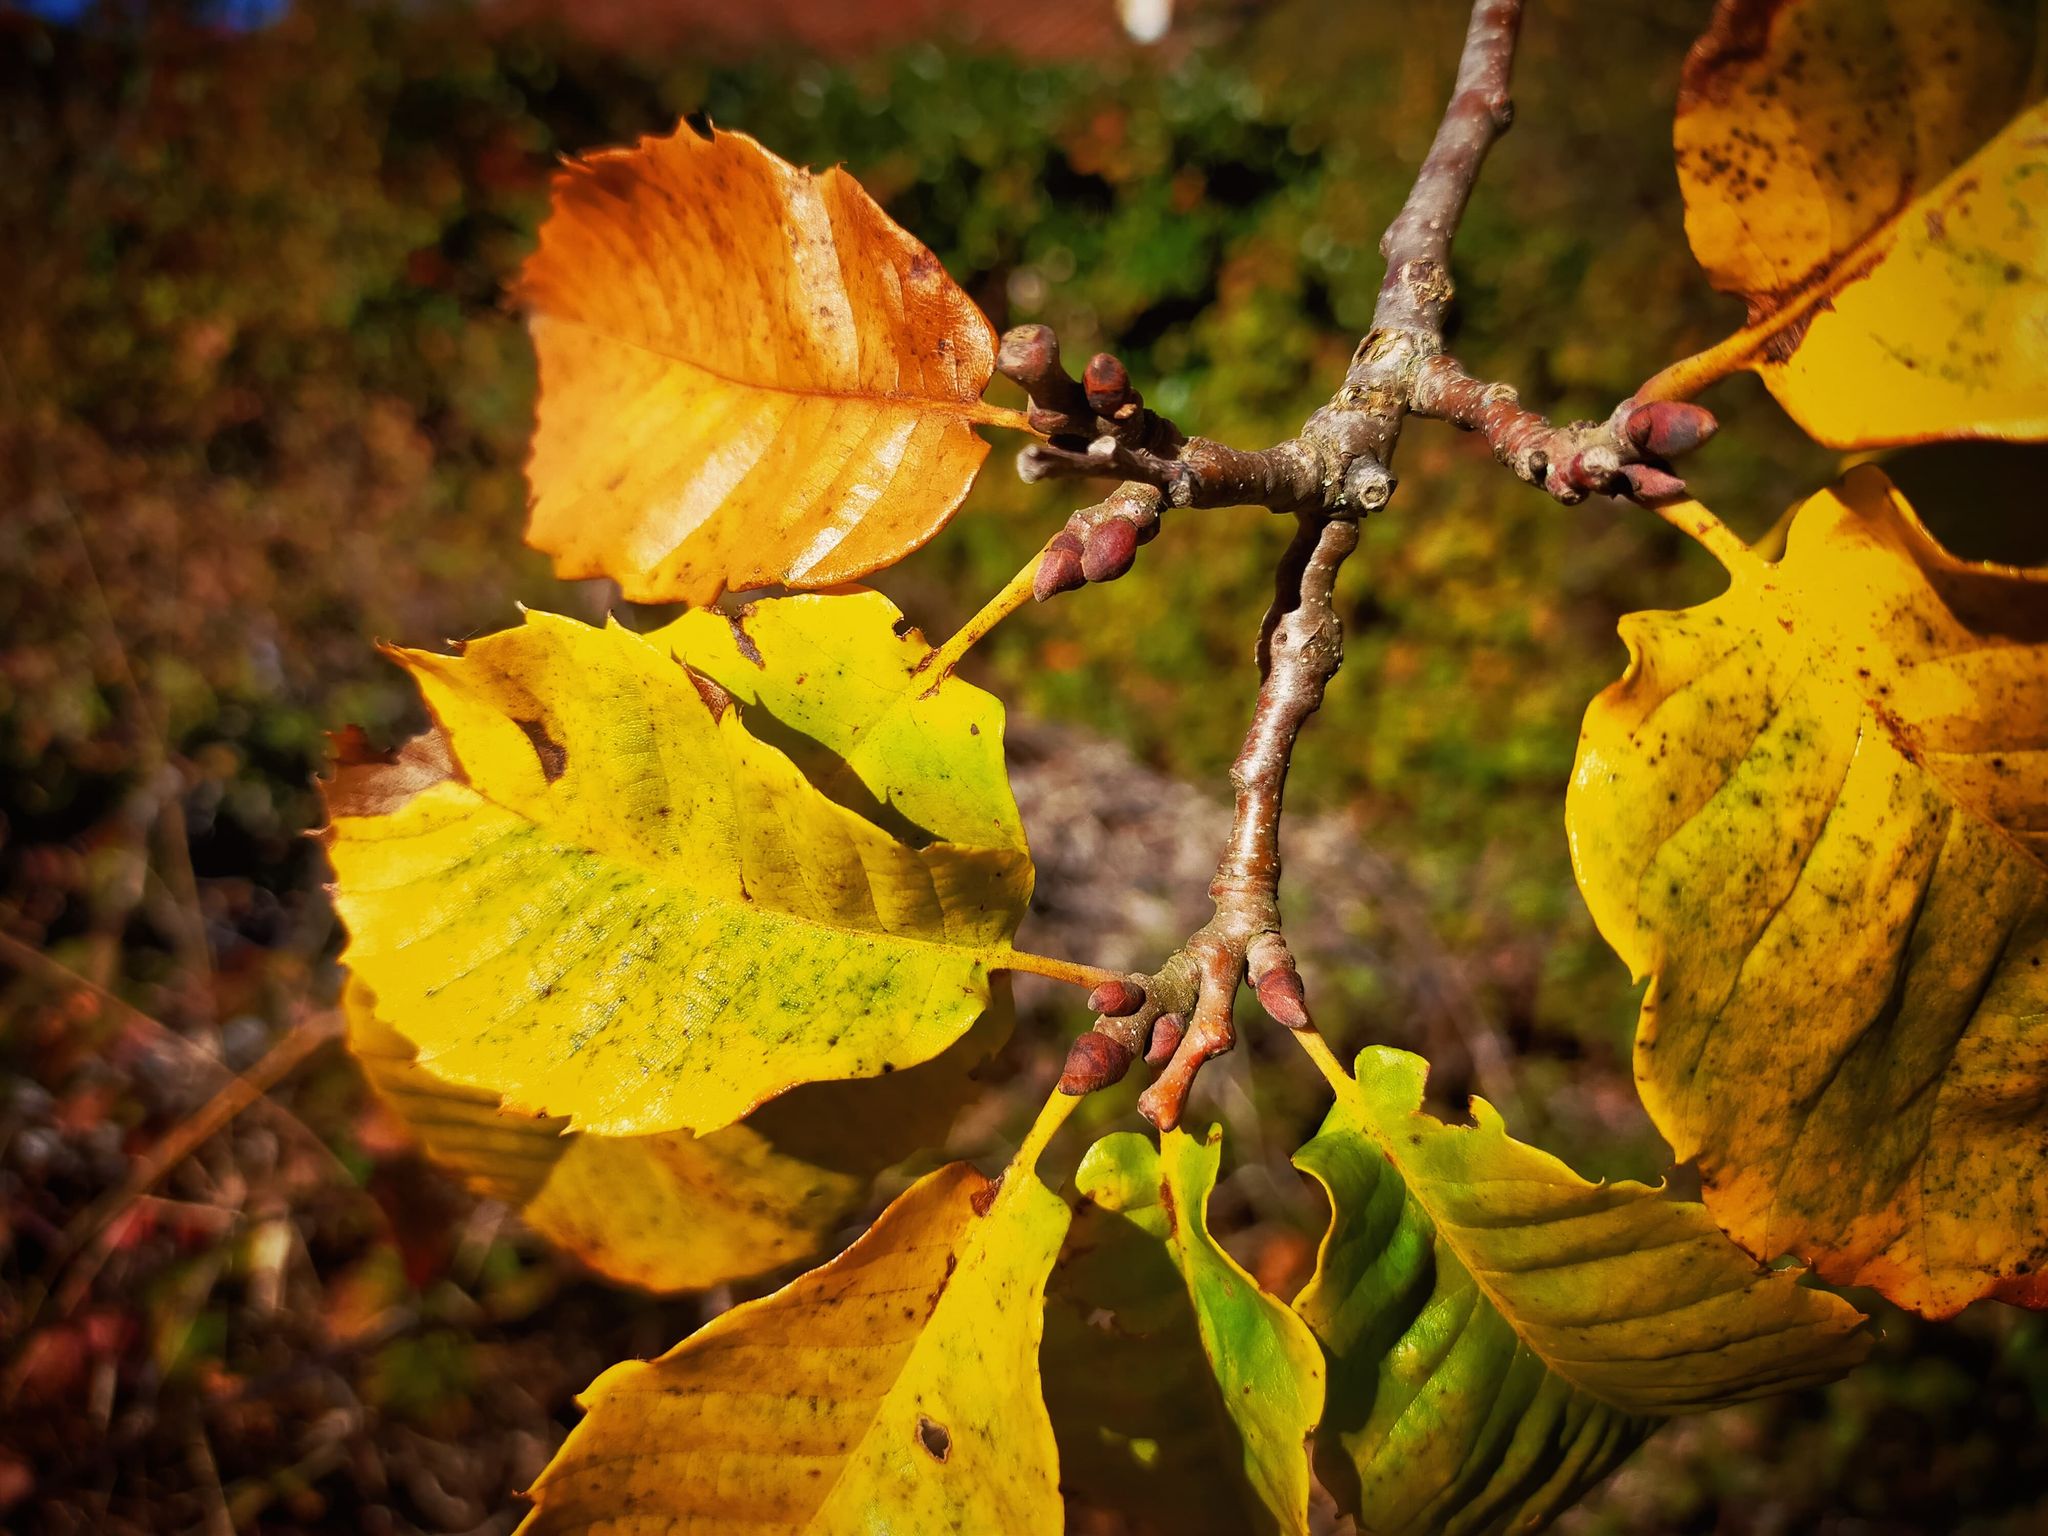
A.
pixel 1182 1395
pixel 1502 1333
pixel 893 1390
pixel 843 686
pixel 680 1212
pixel 1815 810
pixel 748 374
pixel 1856 171
pixel 591 890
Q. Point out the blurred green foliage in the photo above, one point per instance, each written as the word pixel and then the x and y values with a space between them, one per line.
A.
pixel 261 400
pixel 259 368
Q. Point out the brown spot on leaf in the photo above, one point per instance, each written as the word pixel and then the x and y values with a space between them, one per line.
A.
pixel 554 757
pixel 985 1198
pixel 1172 1208
pixel 934 1437
pixel 742 641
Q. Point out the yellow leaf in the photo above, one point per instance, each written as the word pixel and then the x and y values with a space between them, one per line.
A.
pixel 844 687
pixel 1849 169
pixel 1815 810
pixel 590 890
pixel 748 375
pixel 678 1212
pixel 893 1390
pixel 1502 1333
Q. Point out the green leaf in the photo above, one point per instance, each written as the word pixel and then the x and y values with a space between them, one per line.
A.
pixel 1815 811
pixel 1503 1333
pixel 893 1390
pixel 592 890
pixel 1182 1395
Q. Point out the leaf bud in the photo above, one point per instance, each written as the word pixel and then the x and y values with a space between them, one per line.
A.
pixel 1166 1032
pixel 1109 550
pixel 1059 569
pixel 1280 994
pixel 1094 1061
pixel 1028 353
pixel 1668 428
pixel 1651 486
pixel 1107 383
pixel 1117 997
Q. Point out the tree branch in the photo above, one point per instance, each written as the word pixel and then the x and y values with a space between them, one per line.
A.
pixel 1625 455
pixel 1345 447
pixel 1334 472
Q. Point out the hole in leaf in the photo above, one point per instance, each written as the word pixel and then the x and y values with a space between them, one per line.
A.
pixel 933 1436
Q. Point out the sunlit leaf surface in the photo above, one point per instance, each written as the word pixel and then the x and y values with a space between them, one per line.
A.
pixel 592 890
pixel 1815 810
pixel 1855 170
pixel 893 1390
pixel 679 1212
pixel 749 375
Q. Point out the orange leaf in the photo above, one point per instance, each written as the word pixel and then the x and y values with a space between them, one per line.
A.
pixel 749 375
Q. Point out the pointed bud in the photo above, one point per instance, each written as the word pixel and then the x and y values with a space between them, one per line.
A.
pixel 1059 570
pixel 1109 550
pixel 1094 1061
pixel 1116 998
pixel 1281 996
pixel 1107 383
pixel 1651 486
pixel 1166 1032
pixel 1668 428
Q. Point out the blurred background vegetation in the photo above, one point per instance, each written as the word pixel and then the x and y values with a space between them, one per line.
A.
pixel 261 401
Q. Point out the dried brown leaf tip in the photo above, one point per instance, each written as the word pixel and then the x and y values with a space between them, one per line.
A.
pixel 367 781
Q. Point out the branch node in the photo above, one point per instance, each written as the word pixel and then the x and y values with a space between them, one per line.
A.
pixel 1367 485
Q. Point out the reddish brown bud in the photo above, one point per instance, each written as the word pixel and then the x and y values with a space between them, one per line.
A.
pixel 1281 996
pixel 1166 1032
pixel 1116 997
pixel 1107 383
pixel 1109 550
pixel 1094 1061
pixel 1028 353
pixel 1651 486
pixel 1668 428
pixel 1059 570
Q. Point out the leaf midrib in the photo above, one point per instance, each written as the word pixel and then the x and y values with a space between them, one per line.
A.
pixel 975 411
